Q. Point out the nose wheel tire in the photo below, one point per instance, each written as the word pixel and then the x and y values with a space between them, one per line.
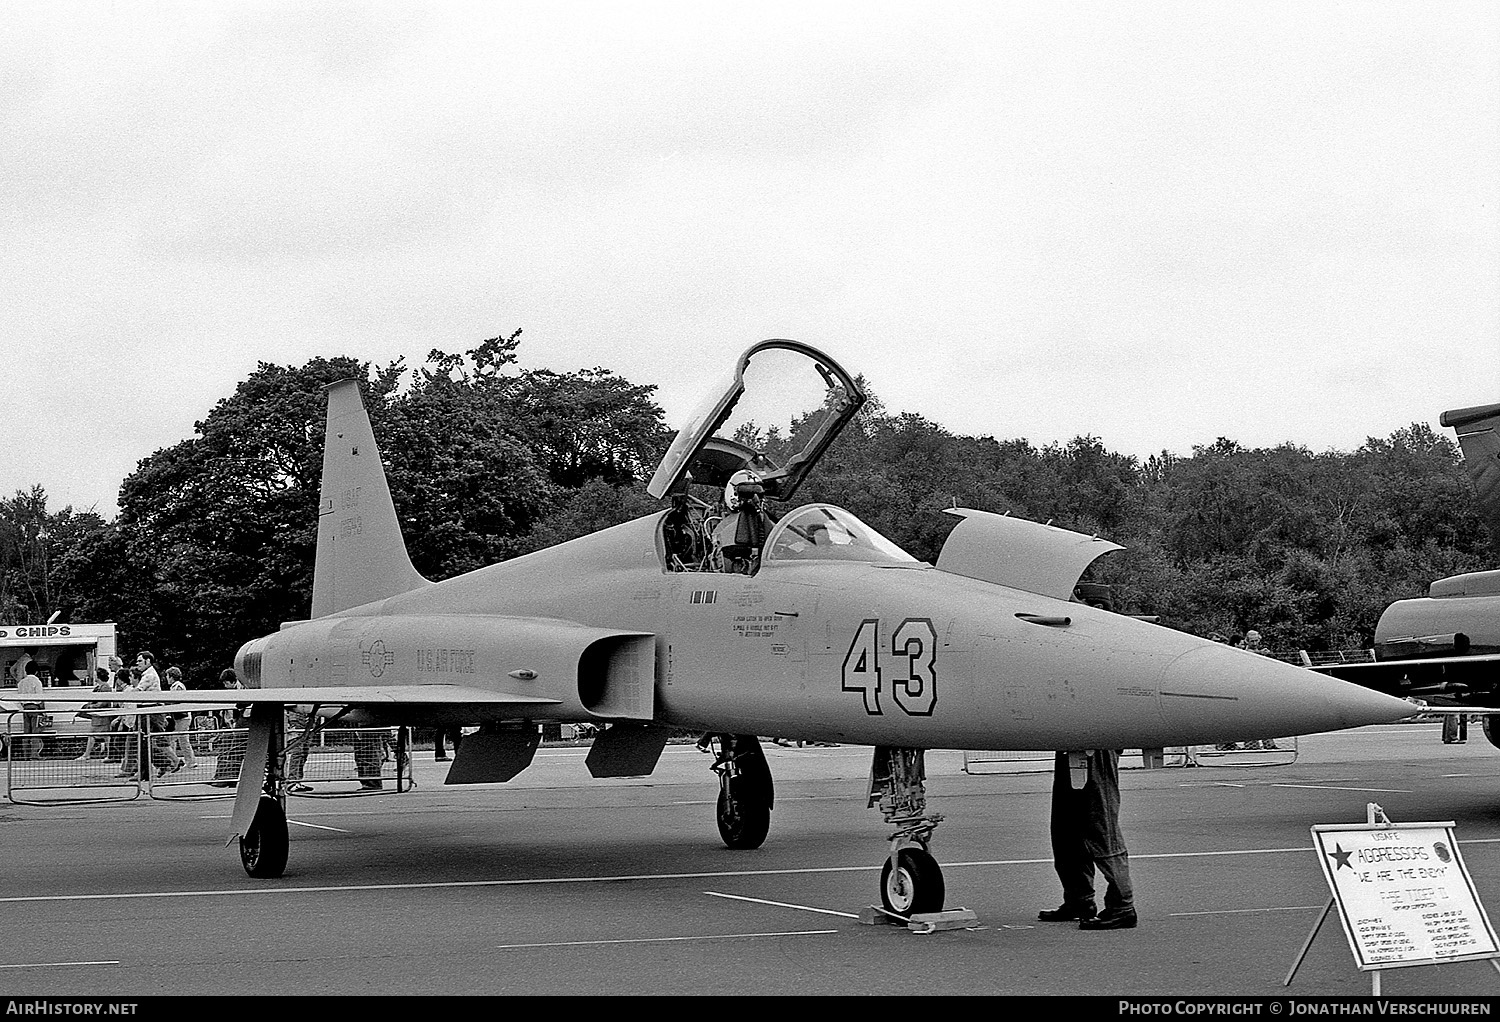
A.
pixel 914 886
pixel 263 849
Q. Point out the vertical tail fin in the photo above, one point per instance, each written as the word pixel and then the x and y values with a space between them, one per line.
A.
pixel 1478 430
pixel 361 555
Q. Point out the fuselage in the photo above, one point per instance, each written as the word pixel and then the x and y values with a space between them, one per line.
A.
pixel 1464 605
pixel 843 650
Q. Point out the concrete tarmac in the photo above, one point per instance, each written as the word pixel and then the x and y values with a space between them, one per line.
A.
pixel 559 884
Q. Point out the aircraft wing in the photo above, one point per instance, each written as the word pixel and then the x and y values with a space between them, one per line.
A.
pixel 1454 680
pixel 324 695
pixel 128 709
pixel 1454 711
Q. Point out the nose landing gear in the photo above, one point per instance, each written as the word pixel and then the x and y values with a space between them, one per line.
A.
pixel 911 881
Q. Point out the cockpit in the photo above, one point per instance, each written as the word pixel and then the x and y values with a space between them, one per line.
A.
pixel 696 541
pixel 752 441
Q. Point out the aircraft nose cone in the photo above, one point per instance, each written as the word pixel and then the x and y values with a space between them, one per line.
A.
pixel 1226 694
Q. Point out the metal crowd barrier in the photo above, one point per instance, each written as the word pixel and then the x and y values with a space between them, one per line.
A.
pixel 1282 753
pixel 1041 760
pixel 62 766
pixel 1268 752
pixel 44 766
pixel 344 761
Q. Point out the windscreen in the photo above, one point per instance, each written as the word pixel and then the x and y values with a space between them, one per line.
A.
pixel 822 532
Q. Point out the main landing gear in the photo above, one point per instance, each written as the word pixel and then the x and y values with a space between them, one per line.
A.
pixel 265 846
pixel 911 881
pixel 260 803
pixel 1491 724
pixel 746 795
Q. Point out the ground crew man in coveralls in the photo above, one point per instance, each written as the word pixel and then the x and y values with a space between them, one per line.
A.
pixel 1085 836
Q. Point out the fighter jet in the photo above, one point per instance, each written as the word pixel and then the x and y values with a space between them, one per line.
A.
pixel 723 618
pixel 1444 648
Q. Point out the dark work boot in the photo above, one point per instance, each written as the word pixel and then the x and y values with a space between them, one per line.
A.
pixel 1111 919
pixel 1066 913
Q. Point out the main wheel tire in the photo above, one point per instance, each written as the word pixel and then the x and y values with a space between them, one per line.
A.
pixel 743 822
pixel 914 886
pixel 264 848
pixel 1491 724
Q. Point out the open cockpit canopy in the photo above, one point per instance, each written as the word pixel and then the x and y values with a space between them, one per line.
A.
pixel 775 415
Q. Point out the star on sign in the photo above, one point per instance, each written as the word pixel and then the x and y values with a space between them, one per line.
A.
pixel 1340 857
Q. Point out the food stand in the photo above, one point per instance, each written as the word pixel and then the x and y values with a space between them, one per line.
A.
pixel 60 654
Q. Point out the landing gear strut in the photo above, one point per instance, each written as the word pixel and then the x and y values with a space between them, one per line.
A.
pixel 911 881
pixel 746 795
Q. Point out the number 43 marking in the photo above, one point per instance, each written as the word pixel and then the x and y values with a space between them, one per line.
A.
pixel 913 648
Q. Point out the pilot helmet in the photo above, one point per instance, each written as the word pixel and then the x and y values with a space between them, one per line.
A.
pixel 742 483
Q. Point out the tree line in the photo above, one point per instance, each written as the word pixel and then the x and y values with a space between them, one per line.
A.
pixel 215 537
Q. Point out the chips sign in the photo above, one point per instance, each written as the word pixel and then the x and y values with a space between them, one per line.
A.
pixel 1403 894
pixel 35 631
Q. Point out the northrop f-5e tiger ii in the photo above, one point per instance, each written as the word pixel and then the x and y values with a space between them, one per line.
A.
pixel 717 616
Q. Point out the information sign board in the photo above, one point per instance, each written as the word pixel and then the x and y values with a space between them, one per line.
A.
pixel 1404 894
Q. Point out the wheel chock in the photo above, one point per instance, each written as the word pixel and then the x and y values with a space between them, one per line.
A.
pixel 952 919
pixel 920 922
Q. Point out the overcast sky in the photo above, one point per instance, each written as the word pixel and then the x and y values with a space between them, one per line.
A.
pixel 1156 223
